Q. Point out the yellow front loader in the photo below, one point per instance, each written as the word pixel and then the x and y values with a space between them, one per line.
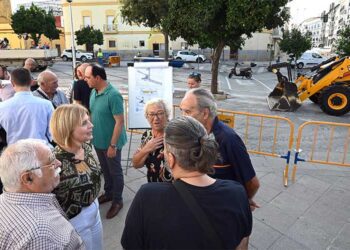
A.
pixel 329 87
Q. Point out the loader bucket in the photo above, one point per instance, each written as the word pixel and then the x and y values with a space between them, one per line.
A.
pixel 284 97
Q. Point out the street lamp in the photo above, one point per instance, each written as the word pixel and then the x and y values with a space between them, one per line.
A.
pixel 72 33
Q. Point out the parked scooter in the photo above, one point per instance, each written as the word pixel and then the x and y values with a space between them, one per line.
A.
pixel 244 72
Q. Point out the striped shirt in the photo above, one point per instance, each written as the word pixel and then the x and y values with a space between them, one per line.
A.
pixel 35 221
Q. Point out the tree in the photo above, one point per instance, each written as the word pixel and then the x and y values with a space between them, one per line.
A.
pixel 219 23
pixel 89 36
pixel 151 14
pixel 343 42
pixel 294 42
pixel 35 22
pixel 51 31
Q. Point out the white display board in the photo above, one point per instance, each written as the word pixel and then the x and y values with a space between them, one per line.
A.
pixel 148 80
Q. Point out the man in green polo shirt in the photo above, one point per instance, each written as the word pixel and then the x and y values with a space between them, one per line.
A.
pixel 109 135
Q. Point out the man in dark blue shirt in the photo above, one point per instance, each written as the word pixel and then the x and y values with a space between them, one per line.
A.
pixel 233 162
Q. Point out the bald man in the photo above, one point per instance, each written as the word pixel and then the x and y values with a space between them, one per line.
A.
pixel 48 84
pixel 81 90
pixel 31 65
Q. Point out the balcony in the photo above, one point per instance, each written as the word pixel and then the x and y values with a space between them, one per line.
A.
pixel 110 28
pixel 277 33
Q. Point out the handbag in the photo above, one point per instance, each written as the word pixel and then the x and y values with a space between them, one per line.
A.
pixel 199 214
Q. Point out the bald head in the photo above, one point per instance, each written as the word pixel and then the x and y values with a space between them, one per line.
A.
pixel 81 70
pixel 48 82
pixel 29 64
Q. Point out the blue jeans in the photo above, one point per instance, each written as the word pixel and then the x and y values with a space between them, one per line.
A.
pixel 89 227
pixel 113 174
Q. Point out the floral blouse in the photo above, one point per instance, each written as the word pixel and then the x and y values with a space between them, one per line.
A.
pixel 80 181
pixel 156 170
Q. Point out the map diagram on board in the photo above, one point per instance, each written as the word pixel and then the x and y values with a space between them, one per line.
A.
pixel 150 86
pixel 147 81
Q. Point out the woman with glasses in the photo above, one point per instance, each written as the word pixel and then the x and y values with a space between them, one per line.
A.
pixel 194 80
pixel 80 181
pixel 150 153
pixel 194 212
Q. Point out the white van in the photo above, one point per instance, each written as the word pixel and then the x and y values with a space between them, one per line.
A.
pixel 309 58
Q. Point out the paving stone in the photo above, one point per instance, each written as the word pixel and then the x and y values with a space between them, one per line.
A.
pixel 135 185
pixel 286 243
pixel 291 204
pixel 300 191
pixel 342 240
pixel 313 183
pixel 274 180
pixel 263 236
pixel 133 174
pixel 309 235
pixel 267 193
pixel 275 217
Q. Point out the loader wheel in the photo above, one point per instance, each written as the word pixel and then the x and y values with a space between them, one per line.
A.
pixel 315 98
pixel 335 100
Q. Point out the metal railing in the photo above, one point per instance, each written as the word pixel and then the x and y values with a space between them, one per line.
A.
pixel 324 139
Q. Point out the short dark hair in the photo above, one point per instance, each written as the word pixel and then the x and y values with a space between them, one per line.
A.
pixel 4 70
pixel 21 77
pixel 97 70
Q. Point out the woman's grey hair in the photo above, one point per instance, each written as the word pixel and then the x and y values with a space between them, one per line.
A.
pixel 188 141
pixel 205 99
pixel 159 102
pixel 18 158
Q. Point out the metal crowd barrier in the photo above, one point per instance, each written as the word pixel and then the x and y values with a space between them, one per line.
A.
pixel 256 131
pixel 262 135
pixel 325 138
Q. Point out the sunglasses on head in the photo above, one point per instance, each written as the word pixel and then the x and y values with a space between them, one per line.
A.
pixel 195 74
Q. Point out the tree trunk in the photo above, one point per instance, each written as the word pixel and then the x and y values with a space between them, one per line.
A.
pixel 166 45
pixel 215 66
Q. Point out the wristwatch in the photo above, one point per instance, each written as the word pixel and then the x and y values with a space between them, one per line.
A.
pixel 113 145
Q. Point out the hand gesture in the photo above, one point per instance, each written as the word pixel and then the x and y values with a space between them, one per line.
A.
pixel 153 144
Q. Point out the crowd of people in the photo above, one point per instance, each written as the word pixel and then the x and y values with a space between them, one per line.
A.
pixel 57 146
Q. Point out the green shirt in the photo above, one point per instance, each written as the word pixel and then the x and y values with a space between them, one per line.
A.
pixel 103 107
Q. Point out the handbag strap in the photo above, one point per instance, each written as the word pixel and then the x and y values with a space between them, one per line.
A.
pixel 198 213
pixel 44 96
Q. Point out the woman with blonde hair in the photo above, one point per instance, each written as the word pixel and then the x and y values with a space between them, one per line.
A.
pixel 80 181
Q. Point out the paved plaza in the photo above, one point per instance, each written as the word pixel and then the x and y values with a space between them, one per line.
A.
pixel 312 213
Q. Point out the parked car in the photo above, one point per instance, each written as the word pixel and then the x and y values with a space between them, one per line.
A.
pixel 309 58
pixel 189 56
pixel 79 55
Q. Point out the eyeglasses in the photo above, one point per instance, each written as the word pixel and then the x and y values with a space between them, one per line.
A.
pixel 52 164
pixel 195 74
pixel 153 115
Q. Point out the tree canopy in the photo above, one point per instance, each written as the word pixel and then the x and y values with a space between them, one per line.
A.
pixel 343 42
pixel 219 23
pixel 294 42
pixel 151 14
pixel 35 22
pixel 89 36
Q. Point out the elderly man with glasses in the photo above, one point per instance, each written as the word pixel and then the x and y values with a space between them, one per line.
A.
pixel 30 216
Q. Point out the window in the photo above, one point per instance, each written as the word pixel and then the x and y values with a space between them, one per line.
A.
pixel 141 43
pixel 87 21
pixel 111 43
pixel 110 20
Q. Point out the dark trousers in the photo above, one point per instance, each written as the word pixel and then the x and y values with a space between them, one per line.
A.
pixel 113 174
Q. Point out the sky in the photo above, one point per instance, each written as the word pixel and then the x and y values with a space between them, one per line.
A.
pixel 300 9
pixel 303 9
